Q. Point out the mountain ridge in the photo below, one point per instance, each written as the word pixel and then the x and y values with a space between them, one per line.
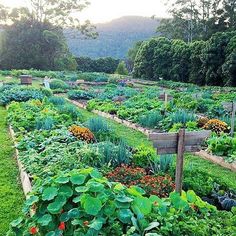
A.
pixel 115 37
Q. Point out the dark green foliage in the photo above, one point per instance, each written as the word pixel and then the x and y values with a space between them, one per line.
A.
pixel 143 65
pixel 121 69
pixel 162 58
pixel 181 116
pixel 31 44
pixel 21 94
pixel 197 73
pixel 203 63
pixel 58 84
pixel 151 119
pixel 80 94
pixel 106 65
pixel 214 56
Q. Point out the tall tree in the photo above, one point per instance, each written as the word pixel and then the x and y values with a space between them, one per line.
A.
pixel 214 56
pixel 32 44
pixel 197 73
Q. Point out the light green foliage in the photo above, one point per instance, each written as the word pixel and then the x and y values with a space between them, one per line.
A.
pixel 121 69
pixel 11 193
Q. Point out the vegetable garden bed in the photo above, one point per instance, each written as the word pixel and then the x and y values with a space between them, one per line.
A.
pixel 25 178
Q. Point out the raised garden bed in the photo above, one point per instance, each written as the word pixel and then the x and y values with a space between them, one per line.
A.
pixel 25 178
pixel 217 159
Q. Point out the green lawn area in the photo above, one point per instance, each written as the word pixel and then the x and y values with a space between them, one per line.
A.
pixel 135 138
pixel 36 82
pixel 11 194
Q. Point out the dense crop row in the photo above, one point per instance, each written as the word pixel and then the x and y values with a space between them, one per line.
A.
pixel 61 150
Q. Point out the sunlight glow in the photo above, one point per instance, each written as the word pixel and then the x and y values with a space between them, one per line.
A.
pixel 105 10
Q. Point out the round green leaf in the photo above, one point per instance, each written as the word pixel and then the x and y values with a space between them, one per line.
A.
pixel 31 200
pixel 49 193
pixel 16 222
pixel 97 224
pixel 62 180
pixel 143 204
pixel 45 220
pixel 65 191
pixel 81 189
pixel 95 186
pixel 123 199
pixel 77 179
pixel 124 215
pixel 56 206
pixel 92 205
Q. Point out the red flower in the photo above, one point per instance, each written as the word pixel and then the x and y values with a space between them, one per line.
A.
pixel 33 230
pixel 62 226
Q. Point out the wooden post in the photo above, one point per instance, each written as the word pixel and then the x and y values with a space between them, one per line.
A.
pixel 180 161
pixel 166 99
pixel 233 118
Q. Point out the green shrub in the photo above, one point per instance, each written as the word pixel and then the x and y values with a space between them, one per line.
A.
pixel 143 155
pixel 58 84
pixel 80 94
pixel 21 94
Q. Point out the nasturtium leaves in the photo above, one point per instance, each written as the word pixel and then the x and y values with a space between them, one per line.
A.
pixel 62 180
pixel 124 215
pixel 78 179
pixel 64 217
pixel 81 189
pixel 31 200
pixel 54 233
pixel 95 186
pixel 92 205
pixel 77 199
pixel 119 187
pixel 65 191
pixel 97 224
pixel 178 202
pixel 191 196
pixel 123 199
pixel 74 213
pixel 143 204
pixel 95 174
pixel 16 222
pixel 135 191
pixel 56 206
pixel 110 208
pixel 45 220
pixel 49 193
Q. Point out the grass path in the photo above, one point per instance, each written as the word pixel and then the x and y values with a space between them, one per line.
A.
pixel 135 138
pixel 11 194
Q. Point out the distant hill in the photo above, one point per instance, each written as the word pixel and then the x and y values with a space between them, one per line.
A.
pixel 115 37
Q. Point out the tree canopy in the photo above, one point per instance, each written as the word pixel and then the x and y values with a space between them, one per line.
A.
pixel 198 19
pixel 211 62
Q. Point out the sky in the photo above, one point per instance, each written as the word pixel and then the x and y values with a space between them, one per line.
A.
pixel 101 11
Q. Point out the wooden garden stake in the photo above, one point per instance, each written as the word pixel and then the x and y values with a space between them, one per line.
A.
pixel 172 143
pixel 180 161
pixel 233 118
pixel 166 99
